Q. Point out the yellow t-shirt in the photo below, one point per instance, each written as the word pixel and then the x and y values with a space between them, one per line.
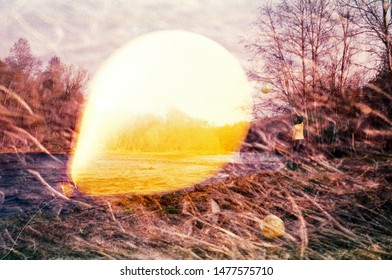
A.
pixel 298 131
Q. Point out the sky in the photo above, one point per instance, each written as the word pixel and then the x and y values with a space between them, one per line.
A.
pixel 85 33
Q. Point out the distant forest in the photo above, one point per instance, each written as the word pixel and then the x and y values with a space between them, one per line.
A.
pixel 177 133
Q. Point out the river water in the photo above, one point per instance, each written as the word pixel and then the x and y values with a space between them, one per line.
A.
pixel 147 173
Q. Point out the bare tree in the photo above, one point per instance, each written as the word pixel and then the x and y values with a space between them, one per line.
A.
pixel 345 68
pixel 293 39
pixel 74 80
pixel 376 21
pixel 20 58
pixel 62 80
pixel 280 46
pixel 310 51
pixel 24 68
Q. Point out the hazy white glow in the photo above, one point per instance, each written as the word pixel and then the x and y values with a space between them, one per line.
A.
pixel 156 74
pixel 172 69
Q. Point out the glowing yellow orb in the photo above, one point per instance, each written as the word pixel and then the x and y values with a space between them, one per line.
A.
pixel 272 227
pixel 165 111
pixel 265 89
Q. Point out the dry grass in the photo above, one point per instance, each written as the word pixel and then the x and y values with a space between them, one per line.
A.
pixel 327 214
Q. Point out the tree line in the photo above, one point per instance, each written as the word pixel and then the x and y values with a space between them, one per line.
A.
pixel 177 132
pixel 39 103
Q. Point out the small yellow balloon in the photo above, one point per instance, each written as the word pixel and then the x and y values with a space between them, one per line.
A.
pixel 265 89
pixel 272 227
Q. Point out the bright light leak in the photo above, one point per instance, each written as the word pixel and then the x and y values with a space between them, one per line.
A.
pixel 165 111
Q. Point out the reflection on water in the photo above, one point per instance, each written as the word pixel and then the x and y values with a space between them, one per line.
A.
pixel 120 174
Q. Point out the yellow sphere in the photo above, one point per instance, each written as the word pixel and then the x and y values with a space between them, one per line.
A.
pixel 265 89
pixel 272 227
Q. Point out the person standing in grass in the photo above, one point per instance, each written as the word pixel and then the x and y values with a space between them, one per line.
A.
pixel 298 138
pixel 298 134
